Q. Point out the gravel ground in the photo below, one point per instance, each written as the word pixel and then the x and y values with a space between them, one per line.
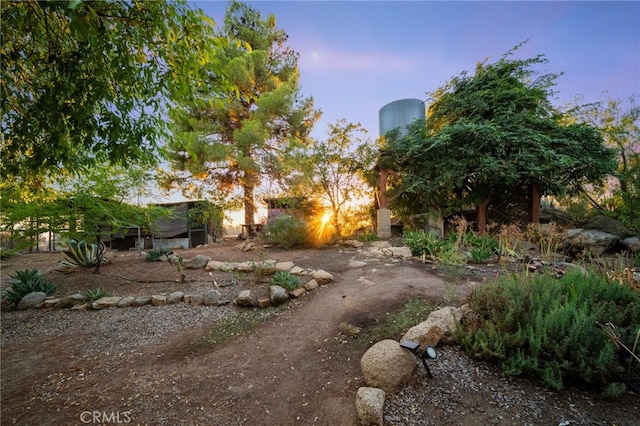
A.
pixel 460 388
pixel 108 330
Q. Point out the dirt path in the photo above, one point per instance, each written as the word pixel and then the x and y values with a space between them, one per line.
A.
pixel 290 371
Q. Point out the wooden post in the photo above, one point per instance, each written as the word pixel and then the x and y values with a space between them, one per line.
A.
pixel 481 216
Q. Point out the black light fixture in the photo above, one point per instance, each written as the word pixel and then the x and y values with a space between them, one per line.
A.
pixel 428 353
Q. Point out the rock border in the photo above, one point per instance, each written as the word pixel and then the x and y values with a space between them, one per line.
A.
pixel 245 298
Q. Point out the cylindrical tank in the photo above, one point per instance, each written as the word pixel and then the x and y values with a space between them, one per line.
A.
pixel 400 115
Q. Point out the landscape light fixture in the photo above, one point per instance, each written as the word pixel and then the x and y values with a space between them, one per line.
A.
pixel 428 353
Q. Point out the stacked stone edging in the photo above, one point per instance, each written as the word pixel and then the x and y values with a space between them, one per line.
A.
pixel 210 298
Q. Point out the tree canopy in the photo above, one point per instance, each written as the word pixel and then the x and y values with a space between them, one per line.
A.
pixel 89 82
pixel 492 132
pixel 220 147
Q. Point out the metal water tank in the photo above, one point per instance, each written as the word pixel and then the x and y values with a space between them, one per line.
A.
pixel 400 115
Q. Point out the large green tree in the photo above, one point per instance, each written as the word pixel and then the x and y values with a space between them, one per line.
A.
pixel 84 83
pixel 230 144
pixel 490 133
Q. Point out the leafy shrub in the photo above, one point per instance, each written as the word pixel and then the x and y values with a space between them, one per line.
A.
pixel 83 254
pixel 545 328
pixel 94 294
pixel 284 231
pixel 25 282
pixel 285 280
pixel 422 243
pixel 480 254
pixel 6 253
pixel 368 236
pixel 154 255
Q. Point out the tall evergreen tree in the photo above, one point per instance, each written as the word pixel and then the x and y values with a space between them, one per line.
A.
pixel 222 144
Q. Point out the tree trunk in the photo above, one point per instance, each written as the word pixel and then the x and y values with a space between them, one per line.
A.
pixel 481 216
pixel 249 204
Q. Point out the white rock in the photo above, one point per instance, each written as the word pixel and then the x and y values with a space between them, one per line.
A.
pixel 126 301
pixel 284 266
pixel 370 406
pixel 322 277
pixel 105 302
pixel 311 285
pixel 439 325
pixel 386 365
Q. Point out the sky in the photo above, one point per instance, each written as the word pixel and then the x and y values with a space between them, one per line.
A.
pixel 358 56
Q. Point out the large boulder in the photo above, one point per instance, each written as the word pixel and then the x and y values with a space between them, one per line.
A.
pixel 35 299
pixel 594 241
pixel 609 225
pixel 370 406
pixel 386 365
pixel 439 326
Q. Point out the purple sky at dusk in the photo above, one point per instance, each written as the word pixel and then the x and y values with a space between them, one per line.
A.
pixel 357 56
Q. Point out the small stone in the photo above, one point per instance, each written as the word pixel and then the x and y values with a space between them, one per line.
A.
pixel 284 266
pixel 141 301
pixel 245 298
pixel 175 297
pixel 211 297
pixel 70 301
pixel 198 262
pixel 193 299
pixel 297 292
pixel 264 302
pixel 50 303
pixel 158 300
pixel 370 406
pixel 105 302
pixel 311 285
pixel 296 270
pixel 125 302
pixel 277 295
pixel 322 277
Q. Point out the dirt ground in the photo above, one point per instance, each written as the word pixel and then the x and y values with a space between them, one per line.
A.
pixel 292 370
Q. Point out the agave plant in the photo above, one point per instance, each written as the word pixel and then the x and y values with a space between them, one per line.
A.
pixel 83 254
pixel 25 282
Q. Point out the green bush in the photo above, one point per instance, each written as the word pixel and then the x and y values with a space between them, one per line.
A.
pixel 25 282
pixel 545 328
pixel 422 243
pixel 285 280
pixel 284 231
pixel 94 294
pixel 154 255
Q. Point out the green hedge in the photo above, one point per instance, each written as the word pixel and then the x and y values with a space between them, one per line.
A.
pixel 546 328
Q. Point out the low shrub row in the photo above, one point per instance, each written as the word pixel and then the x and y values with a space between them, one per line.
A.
pixel 578 329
